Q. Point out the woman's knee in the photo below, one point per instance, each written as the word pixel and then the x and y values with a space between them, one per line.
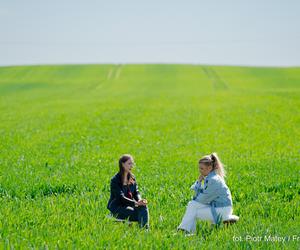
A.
pixel 192 204
pixel 124 212
pixel 142 208
pixel 143 211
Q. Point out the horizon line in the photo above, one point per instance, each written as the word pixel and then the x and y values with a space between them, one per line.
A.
pixel 150 63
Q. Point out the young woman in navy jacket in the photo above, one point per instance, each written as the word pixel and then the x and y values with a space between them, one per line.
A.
pixel 125 200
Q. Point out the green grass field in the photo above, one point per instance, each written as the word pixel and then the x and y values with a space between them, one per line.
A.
pixel 63 129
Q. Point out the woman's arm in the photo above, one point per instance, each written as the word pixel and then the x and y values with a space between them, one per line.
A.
pixel 196 186
pixel 119 194
pixel 209 193
pixel 136 193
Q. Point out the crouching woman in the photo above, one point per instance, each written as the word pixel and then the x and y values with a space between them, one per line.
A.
pixel 212 200
pixel 125 200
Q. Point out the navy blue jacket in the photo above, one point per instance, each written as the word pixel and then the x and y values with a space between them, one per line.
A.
pixel 117 195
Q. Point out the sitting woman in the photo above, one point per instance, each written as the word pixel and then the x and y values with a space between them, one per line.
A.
pixel 212 200
pixel 125 200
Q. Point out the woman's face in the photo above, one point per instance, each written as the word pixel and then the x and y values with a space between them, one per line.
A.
pixel 128 165
pixel 204 169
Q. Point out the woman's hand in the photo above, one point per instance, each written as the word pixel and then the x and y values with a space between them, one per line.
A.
pixel 142 202
pixel 201 178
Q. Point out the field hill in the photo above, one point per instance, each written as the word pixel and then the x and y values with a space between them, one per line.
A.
pixel 64 127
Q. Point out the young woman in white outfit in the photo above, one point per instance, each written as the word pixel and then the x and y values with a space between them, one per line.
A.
pixel 212 200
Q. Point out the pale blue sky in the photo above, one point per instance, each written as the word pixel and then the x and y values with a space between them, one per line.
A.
pixel 231 32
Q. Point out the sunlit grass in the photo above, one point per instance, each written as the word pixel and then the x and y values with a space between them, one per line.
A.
pixel 63 129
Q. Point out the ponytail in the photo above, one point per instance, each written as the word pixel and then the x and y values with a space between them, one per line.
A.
pixel 217 165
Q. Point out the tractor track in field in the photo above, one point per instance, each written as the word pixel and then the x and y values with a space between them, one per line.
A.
pixel 118 71
pixel 217 82
pixel 113 73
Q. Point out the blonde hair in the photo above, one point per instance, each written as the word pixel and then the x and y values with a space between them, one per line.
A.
pixel 214 161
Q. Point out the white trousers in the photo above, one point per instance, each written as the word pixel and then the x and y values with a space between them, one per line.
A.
pixel 196 210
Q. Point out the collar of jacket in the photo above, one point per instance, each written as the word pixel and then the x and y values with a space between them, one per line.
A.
pixel 118 177
pixel 211 174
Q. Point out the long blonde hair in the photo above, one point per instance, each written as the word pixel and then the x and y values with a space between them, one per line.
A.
pixel 214 161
